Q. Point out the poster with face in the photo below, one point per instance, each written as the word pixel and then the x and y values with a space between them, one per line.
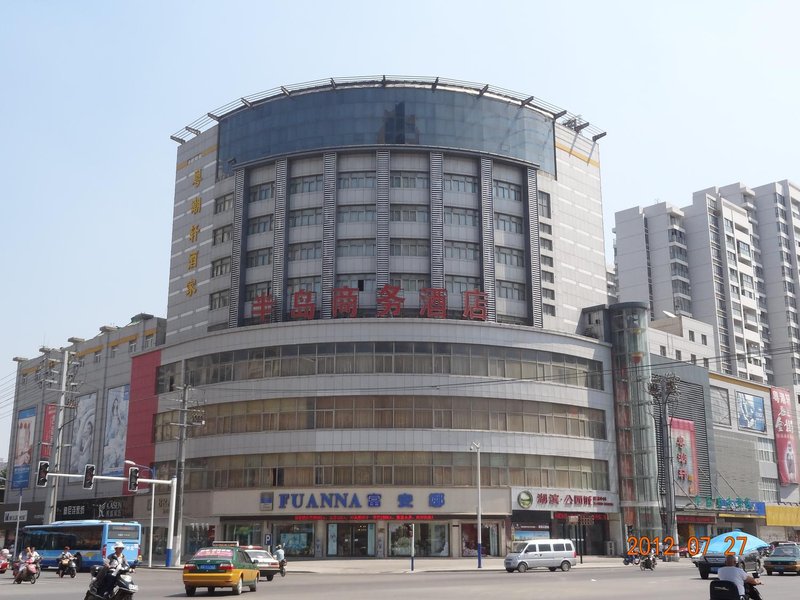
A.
pixel 82 433
pixel 23 450
pixel 785 435
pixel 116 431
pixel 750 412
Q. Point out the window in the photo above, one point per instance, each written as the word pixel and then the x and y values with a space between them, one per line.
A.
pixel 544 204
pixel 768 489
pixel 545 229
pixel 410 282
pixel 265 191
pixel 503 222
pixel 547 261
pixel 704 339
pixel 510 290
pixel 766 449
pixel 221 266
pixel 548 277
pixel 305 217
pixel 662 350
pixel 549 310
pixel 461 217
pixel 222 235
pixel 460 183
pixel 218 300
pixel 363 179
pixel 506 190
pixel 691 335
pixel 456 285
pixel 253 290
pixel 112 351
pixel 403 179
pixel 509 256
pixel 304 251
pixel 410 214
pixel 98 356
pixel 409 247
pixel 304 185
pixel 131 346
pixel 309 284
pixel 720 406
pixel 223 204
pixel 461 250
pixel 355 214
pixel 259 258
pixel 361 282
pixel 548 294
pixel 546 244
pixel 677 355
pixel 149 341
pixel 258 225
pixel 364 247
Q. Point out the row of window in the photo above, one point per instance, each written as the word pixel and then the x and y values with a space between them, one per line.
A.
pixel 391 412
pixel 307 469
pixel 387 357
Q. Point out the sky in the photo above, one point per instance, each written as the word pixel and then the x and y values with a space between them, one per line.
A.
pixel 692 95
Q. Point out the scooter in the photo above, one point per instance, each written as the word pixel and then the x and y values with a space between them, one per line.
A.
pixel 631 559
pixel 282 567
pixel 27 571
pixel 66 566
pixel 727 590
pixel 648 563
pixel 123 589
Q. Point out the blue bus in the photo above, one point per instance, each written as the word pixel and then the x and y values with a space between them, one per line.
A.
pixel 90 541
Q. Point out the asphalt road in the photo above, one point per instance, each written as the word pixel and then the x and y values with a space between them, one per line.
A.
pixel 669 582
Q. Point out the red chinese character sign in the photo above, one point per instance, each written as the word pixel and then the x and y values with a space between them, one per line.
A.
pixel 475 304
pixel 303 306
pixel 345 302
pixel 785 440
pixel 390 303
pixel 684 455
pixel 433 303
pixel 263 304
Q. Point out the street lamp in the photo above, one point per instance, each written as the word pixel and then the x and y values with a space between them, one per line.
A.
pixel 152 511
pixel 477 447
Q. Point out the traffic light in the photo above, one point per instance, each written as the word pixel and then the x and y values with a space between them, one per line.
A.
pixel 88 477
pixel 41 476
pixel 133 479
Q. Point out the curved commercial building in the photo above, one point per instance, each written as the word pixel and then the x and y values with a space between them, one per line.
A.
pixel 371 278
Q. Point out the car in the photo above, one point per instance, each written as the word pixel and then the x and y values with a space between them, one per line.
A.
pixel 267 564
pixel 220 567
pixel 785 558
pixel 710 562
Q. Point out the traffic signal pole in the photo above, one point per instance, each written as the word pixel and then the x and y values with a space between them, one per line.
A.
pixel 52 497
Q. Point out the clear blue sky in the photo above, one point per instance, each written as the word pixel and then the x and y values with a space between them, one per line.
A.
pixel 692 94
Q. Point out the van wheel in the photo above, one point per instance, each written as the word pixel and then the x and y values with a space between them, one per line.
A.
pixel 703 574
pixel 565 566
pixel 522 567
pixel 552 569
pixel 512 570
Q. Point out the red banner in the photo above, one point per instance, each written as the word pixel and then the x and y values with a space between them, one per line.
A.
pixel 684 456
pixel 785 440
pixel 48 429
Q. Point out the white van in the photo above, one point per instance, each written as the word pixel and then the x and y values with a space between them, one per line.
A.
pixel 553 554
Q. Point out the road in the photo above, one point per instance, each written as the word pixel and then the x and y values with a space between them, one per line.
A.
pixel 670 582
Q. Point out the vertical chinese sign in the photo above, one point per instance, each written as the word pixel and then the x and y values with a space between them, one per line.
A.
pixel 48 430
pixel 783 422
pixel 196 205
pixel 684 455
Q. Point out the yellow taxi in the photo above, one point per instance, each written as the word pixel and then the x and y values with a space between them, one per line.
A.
pixel 223 565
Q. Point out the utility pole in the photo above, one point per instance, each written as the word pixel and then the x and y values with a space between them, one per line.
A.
pixel 664 389
pixel 179 472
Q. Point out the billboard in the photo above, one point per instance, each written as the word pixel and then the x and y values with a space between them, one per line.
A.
pixel 82 433
pixel 750 412
pixel 116 432
pixel 785 437
pixel 23 451
pixel 684 456
pixel 48 428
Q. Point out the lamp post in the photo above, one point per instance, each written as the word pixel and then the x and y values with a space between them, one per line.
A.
pixel 152 511
pixel 477 447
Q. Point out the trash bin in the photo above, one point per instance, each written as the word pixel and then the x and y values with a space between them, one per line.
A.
pixel 611 548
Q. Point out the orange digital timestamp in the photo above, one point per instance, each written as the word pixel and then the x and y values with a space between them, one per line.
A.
pixel 694 546
pixel 645 545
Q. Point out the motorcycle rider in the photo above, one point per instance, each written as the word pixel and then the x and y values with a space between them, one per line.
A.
pixel 280 556
pixel 26 556
pixel 106 576
pixel 65 555
pixel 745 584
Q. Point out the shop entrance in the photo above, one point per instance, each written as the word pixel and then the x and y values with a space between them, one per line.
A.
pixel 351 539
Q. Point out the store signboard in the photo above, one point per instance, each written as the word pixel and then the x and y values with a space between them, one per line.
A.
pixel 560 499
pixel 785 435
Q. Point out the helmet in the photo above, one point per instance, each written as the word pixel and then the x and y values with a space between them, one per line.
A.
pixel 66 548
pixel 119 545
pixel 278 547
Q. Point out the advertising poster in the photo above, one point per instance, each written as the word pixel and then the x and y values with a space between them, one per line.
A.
pixel 82 433
pixel 116 431
pixel 23 452
pixel 750 412
pixel 785 436
pixel 48 429
pixel 684 457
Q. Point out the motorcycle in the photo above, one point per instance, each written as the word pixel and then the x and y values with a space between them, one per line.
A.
pixel 66 566
pixel 123 589
pixel 3 565
pixel 727 590
pixel 648 562
pixel 631 559
pixel 27 571
pixel 282 567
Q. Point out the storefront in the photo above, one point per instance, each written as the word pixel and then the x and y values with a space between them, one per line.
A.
pixel 742 514
pixel 782 523
pixel 15 514
pixel 694 525
pixel 582 516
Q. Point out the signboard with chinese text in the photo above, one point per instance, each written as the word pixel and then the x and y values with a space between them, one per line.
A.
pixel 684 456
pixel 785 435
pixel 48 430
pixel 558 499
